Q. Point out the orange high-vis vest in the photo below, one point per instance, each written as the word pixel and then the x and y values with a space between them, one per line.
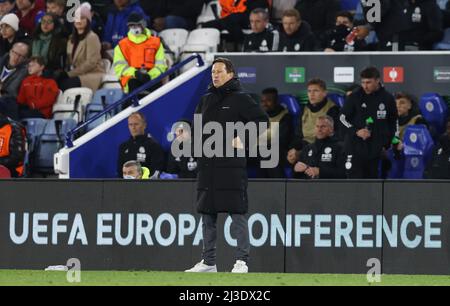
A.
pixel 5 136
pixel 139 55
pixel 232 7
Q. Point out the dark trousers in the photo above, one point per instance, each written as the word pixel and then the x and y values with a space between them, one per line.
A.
pixel 9 108
pixel 233 24
pixel 239 231
pixel 363 168
pixel 70 83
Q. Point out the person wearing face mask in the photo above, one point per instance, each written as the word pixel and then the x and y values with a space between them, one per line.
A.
pixel 133 170
pixel 140 57
pixel 342 37
pixel 296 35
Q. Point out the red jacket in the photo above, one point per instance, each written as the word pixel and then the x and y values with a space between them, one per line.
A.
pixel 232 7
pixel 38 93
pixel 28 22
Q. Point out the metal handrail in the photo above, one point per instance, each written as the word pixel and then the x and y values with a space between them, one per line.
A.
pixel 133 96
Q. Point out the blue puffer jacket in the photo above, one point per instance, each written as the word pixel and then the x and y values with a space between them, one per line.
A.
pixel 116 25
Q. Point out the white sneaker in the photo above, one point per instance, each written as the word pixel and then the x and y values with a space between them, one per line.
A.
pixel 240 267
pixel 202 268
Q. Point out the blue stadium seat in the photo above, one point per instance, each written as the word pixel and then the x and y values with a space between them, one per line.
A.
pixel 35 128
pixel 398 166
pixel 349 5
pixel 106 97
pixel 337 98
pixel 444 44
pixel 294 108
pixel 91 111
pixel 418 147
pixel 435 111
pixel 50 142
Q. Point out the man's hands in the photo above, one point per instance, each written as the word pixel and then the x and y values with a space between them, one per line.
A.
pixel 142 77
pixel 364 134
pixel 293 156
pixel 312 172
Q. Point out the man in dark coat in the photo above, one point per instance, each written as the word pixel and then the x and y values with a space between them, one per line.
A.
pixel 222 181
pixel 439 166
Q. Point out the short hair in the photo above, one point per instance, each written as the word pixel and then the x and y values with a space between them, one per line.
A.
pixel 140 115
pixel 261 11
pixel 345 14
pixel 228 64
pixel 405 95
pixel 133 163
pixel 271 91
pixel 24 44
pixel 319 82
pixel 370 73
pixel 327 118
pixel 38 59
pixel 61 3
pixel 292 13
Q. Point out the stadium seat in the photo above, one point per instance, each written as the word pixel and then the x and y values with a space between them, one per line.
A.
pixel 50 142
pixel 35 127
pixel 107 65
pixel 435 111
pixel 4 172
pixel 202 41
pixel 337 98
pixel 106 97
pixel 73 104
pixel 211 11
pixel 292 105
pixel 444 44
pixel 110 81
pixel 349 5
pixel 91 111
pixel 174 39
pixel 397 166
pixel 418 147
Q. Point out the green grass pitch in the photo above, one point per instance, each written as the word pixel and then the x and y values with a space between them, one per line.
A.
pixel 41 278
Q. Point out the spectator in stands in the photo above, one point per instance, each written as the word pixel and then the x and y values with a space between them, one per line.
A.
pixel 10 33
pixel 37 94
pixel 184 167
pixel 343 37
pixel 235 17
pixel 323 159
pixel 27 10
pixel 141 147
pixel 177 14
pixel 406 25
pixel 140 57
pixel 263 37
pixel 296 35
pixel 320 14
pixel 12 145
pixel 50 44
pixel 279 7
pixel 13 69
pixel 7 7
pixel 408 112
pixel 58 8
pixel 318 105
pixel 280 115
pixel 83 54
pixel 133 170
pixel 370 118
pixel 117 22
pixel 439 166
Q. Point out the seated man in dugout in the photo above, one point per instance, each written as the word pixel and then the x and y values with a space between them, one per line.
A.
pixel 132 170
pixel 324 158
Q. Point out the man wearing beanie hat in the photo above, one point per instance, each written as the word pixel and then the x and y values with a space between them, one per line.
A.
pixel 27 10
pixel 10 33
pixel 140 57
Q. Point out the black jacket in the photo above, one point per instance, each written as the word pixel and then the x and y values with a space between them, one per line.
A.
pixel 11 85
pixel 266 41
pixel 336 40
pixel 161 8
pixel 327 155
pixel 439 166
pixel 419 23
pixel 286 132
pixel 222 181
pixel 143 149
pixel 184 167
pixel 301 41
pixel 5 45
pixel 320 14
pixel 381 107
pixel 17 146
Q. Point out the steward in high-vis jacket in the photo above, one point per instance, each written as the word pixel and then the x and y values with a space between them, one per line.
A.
pixel 140 57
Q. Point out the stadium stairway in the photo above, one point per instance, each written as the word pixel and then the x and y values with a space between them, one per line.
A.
pixel 94 155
